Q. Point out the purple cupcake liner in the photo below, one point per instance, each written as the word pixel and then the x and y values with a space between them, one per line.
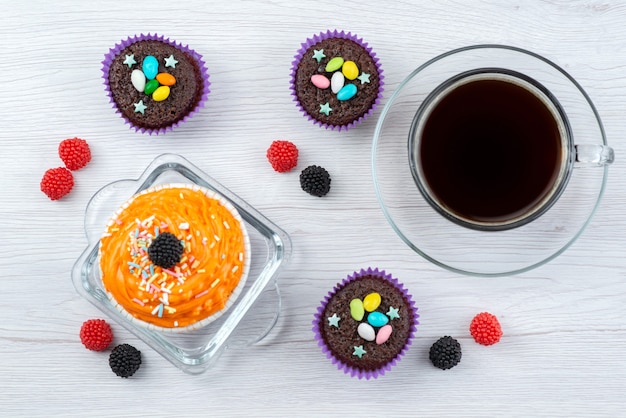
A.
pixel 114 52
pixel 320 37
pixel 347 369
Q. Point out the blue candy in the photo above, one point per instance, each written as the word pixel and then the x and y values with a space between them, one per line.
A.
pixel 347 92
pixel 150 67
pixel 377 319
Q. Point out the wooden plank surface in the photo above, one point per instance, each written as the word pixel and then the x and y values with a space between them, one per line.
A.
pixel 564 324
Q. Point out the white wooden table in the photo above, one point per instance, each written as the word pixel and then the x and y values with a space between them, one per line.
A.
pixel 564 324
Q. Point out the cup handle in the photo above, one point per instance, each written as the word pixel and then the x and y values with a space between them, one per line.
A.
pixel 599 155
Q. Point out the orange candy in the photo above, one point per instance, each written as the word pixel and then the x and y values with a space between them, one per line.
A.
pixel 166 79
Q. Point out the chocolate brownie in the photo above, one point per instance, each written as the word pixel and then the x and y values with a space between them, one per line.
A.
pixel 183 97
pixel 342 335
pixel 322 104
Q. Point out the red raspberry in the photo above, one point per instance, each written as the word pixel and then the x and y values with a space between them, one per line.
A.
pixel 75 153
pixel 96 334
pixel 485 329
pixel 57 182
pixel 282 155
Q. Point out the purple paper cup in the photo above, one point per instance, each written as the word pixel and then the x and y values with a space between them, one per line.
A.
pixel 354 347
pixel 321 104
pixel 126 98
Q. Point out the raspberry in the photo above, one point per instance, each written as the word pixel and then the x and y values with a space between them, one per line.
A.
pixel 75 153
pixel 166 250
pixel 445 353
pixel 57 182
pixel 315 180
pixel 96 334
pixel 125 360
pixel 282 155
pixel 485 329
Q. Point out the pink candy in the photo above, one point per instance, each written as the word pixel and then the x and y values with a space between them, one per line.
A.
pixel 320 81
pixel 383 334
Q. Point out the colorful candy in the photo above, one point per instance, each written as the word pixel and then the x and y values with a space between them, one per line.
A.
pixel 166 79
pixel 376 326
pixel 347 92
pixel 366 331
pixel 377 319
pixel 334 64
pixel 149 81
pixel 320 81
pixel 383 334
pixel 151 86
pixel 341 71
pixel 356 309
pixel 161 94
pixel 337 81
pixel 150 67
pixel 138 79
pixel 350 70
pixel 371 302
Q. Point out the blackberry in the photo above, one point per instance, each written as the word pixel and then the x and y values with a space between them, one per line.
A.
pixel 125 360
pixel 445 353
pixel 166 250
pixel 315 180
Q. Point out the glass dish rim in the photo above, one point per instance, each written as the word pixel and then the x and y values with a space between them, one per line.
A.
pixel 378 191
pixel 195 360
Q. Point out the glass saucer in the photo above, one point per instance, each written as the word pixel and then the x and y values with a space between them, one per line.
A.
pixel 248 320
pixel 464 250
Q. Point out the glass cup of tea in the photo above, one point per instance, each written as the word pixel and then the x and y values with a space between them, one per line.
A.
pixel 489 160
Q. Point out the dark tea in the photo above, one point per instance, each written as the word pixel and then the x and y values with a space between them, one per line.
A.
pixel 491 150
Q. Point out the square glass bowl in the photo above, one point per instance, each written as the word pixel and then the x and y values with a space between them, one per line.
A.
pixel 249 319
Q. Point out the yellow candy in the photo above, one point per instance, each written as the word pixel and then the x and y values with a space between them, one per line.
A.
pixel 166 79
pixel 350 70
pixel 371 302
pixel 161 94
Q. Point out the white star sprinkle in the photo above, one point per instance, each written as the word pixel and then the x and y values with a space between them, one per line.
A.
pixel 364 78
pixel 140 107
pixel 130 60
pixel 333 321
pixel 170 61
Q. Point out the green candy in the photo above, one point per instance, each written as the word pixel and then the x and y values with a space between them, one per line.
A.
pixel 356 309
pixel 151 86
pixel 334 64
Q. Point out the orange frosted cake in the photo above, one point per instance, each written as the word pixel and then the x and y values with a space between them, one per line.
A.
pixel 174 257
